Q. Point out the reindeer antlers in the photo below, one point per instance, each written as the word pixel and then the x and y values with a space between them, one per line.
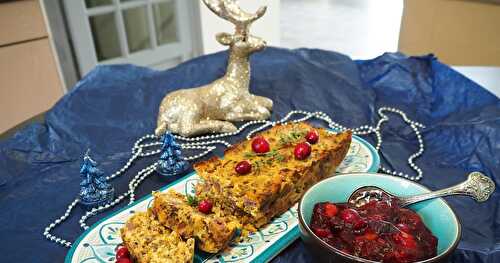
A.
pixel 230 11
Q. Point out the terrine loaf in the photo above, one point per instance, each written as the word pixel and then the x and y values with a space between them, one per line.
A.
pixel 150 242
pixel 277 178
pixel 212 233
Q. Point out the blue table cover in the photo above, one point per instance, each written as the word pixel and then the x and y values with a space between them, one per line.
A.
pixel 114 105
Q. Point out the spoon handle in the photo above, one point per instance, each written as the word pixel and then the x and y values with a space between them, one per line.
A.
pixel 477 185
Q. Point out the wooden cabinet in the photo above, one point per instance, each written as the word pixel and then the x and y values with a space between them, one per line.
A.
pixel 29 77
pixel 21 21
pixel 458 32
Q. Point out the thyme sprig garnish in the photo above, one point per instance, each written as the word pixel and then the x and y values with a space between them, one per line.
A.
pixel 269 156
pixel 291 137
pixel 192 200
pixel 265 159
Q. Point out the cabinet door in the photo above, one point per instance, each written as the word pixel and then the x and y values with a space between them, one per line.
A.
pixel 154 33
pixel 29 81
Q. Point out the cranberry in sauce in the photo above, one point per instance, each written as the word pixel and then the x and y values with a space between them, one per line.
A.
pixel 379 231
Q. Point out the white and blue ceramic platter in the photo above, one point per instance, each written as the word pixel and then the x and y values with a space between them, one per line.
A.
pixel 97 244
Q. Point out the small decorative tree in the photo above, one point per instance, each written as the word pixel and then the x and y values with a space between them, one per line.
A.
pixel 171 159
pixel 94 188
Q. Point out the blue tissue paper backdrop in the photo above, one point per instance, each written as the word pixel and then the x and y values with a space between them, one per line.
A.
pixel 113 106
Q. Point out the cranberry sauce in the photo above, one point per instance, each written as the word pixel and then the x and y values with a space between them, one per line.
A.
pixel 379 231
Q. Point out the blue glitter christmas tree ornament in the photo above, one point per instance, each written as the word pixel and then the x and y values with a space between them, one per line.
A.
pixel 94 188
pixel 171 161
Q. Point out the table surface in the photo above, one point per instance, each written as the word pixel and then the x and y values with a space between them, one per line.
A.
pixel 41 158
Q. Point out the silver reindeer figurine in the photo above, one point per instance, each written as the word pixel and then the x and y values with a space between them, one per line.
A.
pixel 212 108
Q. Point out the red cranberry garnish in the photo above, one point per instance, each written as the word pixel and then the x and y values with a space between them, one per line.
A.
pixel 330 210
pixel 404 239
pixel 403 227
pixel 312 137
pixel 370 236
pixel 260 145
pixel 349 215
pixel 376 217
pixel 398 255
pixel 123 260
pixel 433 241
pixel 358 231
pixel 302 150
pixel 122 252
pixel 205 207
pixel 409 217
pixel 359 224
pixel 322 232
pixel 243 167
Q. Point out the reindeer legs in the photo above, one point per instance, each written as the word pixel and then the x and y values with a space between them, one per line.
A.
pixel 264 102
pixel 248 116
pixel 206 126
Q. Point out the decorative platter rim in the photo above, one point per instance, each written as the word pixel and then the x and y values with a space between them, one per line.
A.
pixel 268 253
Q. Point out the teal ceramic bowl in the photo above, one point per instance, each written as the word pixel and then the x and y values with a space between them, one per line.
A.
pixel 436 213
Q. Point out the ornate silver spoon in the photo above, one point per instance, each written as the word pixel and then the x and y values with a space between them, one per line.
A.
pixel 477 185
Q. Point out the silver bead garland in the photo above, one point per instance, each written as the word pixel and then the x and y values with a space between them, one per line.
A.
pixel 51 237
pixel 206 144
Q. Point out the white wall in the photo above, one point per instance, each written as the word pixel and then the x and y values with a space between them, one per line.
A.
pixel 362 29
pixel 267 27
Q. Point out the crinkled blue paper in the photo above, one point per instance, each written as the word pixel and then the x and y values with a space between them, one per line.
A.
pixel 115 105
